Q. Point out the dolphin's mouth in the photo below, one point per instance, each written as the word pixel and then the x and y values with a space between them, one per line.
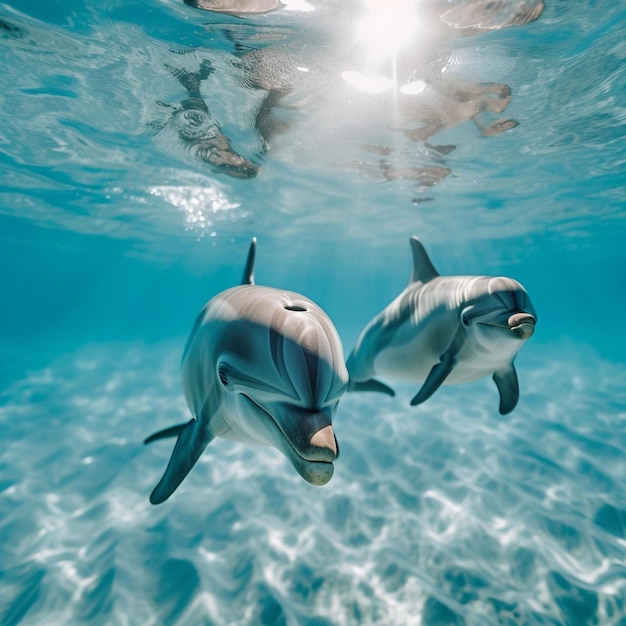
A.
pixel 314 468
pixel 522 325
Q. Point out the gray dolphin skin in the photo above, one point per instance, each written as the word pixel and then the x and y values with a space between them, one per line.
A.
pixel 263 366
pixel 446 330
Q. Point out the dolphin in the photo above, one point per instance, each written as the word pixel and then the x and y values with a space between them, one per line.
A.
pixel 263 366
pixel 237 7
pixel 446 330
pixel 198 129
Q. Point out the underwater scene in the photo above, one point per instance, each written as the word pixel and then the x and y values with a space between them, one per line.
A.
pixel 312 312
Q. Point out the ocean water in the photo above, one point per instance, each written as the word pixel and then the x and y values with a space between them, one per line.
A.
pixel 143 144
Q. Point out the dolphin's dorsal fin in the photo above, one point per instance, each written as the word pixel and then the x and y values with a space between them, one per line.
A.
pixel 423 269
pixel 248 270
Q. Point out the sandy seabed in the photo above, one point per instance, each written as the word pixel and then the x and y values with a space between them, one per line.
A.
pixel 442 514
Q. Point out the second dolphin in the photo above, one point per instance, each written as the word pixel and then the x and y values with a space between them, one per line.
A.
pixel 446 330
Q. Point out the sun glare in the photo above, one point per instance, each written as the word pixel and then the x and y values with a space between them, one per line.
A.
pixel 388 25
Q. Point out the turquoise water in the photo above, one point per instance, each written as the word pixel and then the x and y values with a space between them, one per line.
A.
pixel 114 231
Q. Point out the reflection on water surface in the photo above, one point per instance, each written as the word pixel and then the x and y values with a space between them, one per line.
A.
pixel 368 71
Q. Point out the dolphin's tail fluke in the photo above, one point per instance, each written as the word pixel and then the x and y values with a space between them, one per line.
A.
pixel 189 446
pixel 191 80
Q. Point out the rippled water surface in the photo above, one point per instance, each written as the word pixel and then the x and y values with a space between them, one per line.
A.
pixel 142 145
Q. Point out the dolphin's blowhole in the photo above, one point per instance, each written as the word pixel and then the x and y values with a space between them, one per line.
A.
pixel 294 307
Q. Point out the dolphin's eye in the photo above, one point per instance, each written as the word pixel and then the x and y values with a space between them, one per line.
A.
pixel 223 377
pixel 238 381
pixel 466 316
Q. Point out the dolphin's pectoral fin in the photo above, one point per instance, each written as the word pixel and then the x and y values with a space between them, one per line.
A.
pixel 371 385
pixel 435 379
pixel 506 382
pixel 172 431
pixel 190 445
pixel 440 371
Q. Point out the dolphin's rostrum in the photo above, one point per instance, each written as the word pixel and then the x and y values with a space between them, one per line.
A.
pixel 446 330
pixel 263 366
